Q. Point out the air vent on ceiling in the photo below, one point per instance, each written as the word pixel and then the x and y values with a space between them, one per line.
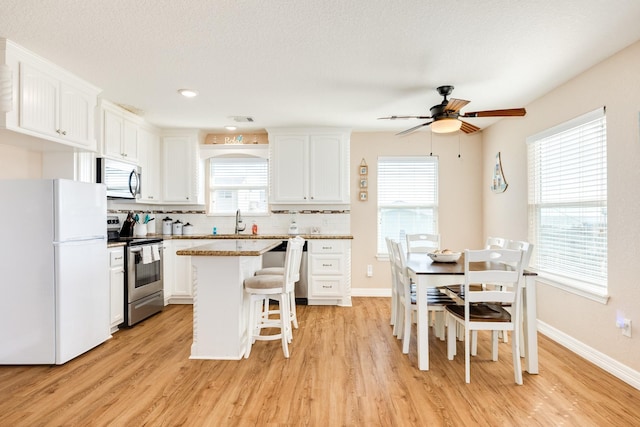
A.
pixel 242 119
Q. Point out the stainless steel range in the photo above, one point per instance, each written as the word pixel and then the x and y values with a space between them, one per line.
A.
pixel 143 290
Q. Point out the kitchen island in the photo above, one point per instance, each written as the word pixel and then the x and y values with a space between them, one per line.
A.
pixel 220 309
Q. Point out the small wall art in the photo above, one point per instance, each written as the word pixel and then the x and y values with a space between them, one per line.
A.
pixel 499 183
pixel 363 181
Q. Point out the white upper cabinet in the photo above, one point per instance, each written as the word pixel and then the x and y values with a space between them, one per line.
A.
pixel 48 102
pixel 120 130
pixel 180 169
pixel 309 167
pixel 149 149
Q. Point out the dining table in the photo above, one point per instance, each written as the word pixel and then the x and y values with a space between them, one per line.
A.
pixel 426 274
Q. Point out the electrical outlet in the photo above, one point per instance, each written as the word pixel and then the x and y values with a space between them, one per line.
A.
pixel 626 328
pixel 369 270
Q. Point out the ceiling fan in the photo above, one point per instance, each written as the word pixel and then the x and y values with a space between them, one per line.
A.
pixel 445 117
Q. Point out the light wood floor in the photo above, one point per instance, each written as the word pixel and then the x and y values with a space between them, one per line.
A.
pixel 345 369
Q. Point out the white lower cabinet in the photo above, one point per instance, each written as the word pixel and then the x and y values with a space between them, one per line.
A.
pixel 178 276
pixel 116 283
pixel 182 291
pixel 329 272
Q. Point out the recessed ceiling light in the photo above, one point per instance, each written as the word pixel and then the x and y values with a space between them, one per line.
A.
pixel 189 93
pixel 230 127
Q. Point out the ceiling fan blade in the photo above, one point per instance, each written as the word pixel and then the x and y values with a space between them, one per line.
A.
pixel 404 117
pixel 404 132
pixel 497 113
pixel 455 105
pixel 468 127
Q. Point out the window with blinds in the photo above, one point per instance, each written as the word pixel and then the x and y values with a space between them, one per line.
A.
pixel 407 197
pixel 567 175
pixel 238 183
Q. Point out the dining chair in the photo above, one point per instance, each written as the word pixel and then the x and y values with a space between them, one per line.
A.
pixel 407 299
pixel 482 309
pixel 495 243
pixel 527 249
pixel 262 288
pixel 394 288
pixel 422 243
pixel 499 242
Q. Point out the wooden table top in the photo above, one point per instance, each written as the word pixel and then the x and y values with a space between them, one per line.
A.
pixel 422 264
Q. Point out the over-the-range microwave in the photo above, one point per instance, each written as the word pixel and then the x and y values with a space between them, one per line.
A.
pixel 122 179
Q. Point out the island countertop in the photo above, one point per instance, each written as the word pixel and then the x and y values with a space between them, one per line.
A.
pixel 235 247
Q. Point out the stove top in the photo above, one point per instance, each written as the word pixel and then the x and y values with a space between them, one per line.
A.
pixel 113 234
pixel 136 241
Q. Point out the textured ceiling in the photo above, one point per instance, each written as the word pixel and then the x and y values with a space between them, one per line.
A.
pixel 319 62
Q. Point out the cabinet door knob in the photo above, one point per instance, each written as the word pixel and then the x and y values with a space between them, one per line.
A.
pixel 64 132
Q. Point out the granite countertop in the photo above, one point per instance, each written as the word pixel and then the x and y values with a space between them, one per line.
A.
pixel 228 247
pixel 254 236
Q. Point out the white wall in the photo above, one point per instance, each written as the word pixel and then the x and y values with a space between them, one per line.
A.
pixel 460 196
pixel 614 83
pixel 18 163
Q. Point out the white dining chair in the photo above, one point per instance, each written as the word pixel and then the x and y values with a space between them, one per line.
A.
pixel 407 299
pixel 422 243
pixel 394 288
pixel 495 243
pixel 278 288
pixel 527 249
pixel 482 309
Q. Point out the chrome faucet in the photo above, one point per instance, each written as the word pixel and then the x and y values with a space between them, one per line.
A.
pixel 240 226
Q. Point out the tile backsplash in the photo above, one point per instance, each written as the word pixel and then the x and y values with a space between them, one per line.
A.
pixel 273 223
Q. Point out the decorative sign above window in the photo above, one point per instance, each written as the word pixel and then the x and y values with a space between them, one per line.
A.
pixel 499 184
pixel 237 139
pixel 363 181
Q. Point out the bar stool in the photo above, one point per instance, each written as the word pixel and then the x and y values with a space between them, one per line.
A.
pixel 262 288
pixel 279 271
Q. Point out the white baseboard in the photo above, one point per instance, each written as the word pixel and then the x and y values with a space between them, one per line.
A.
pixel 371 292
pixel 599 359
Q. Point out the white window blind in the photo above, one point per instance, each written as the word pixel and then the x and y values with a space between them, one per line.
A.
pixel 567 174
pixel 238 183
pixel 407 197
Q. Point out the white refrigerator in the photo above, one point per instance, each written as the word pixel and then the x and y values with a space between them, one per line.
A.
pixel 54 286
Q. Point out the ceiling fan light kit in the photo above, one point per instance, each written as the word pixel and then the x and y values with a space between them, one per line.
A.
pixel 446 125
pixel 445 117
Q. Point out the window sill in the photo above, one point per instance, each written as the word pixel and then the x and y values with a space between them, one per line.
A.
pixel 574 287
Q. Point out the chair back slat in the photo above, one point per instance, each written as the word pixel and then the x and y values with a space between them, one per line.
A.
pixel 422 243
pixel 504 268
pixel 495 243
pixel 525 247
